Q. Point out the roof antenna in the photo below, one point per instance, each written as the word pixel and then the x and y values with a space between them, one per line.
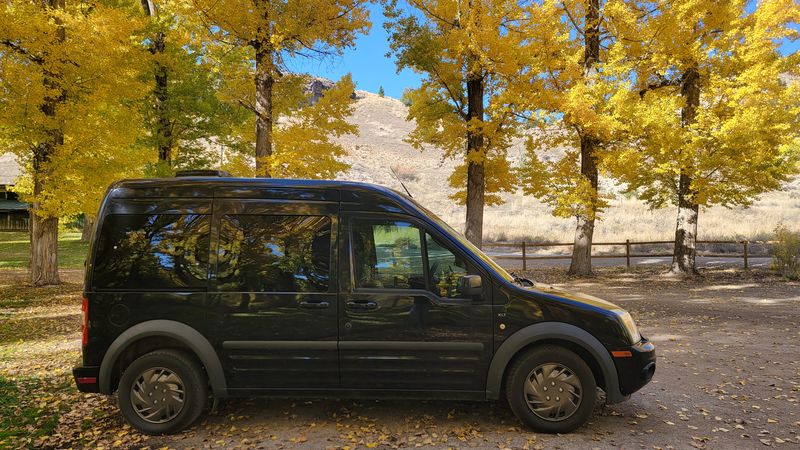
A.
pixel 397 177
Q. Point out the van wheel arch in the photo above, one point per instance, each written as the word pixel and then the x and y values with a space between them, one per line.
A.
pixel 560 334
pixel 140 339
pixel 597 371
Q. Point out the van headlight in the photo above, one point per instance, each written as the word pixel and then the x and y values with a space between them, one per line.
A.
pixel 629 325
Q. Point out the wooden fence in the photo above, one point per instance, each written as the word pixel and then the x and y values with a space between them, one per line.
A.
pixel 525 246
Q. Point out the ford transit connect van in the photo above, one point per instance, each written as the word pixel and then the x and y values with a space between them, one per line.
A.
pixel 206 287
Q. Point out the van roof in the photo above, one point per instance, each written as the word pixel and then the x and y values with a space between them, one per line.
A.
pixel 365 195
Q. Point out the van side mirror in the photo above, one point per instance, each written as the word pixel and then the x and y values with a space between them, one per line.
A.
pixel 470 285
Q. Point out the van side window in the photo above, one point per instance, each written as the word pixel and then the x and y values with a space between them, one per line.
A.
pixel 141 251
pixel 265 253
pixel 387 254
pixel 444 268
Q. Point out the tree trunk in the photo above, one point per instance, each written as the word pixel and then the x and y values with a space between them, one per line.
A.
pixel 88 224
pixel 476 180
pixel 44 249
pixel 581 264
pixel 44 228
pixel 683 261
pixel 163 129
pixel 163 125
pixel 265 79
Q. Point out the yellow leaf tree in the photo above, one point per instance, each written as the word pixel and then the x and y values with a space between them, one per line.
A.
pixel 713 123
pixel 65 109
pixel 460 46
pixel 567 91
pixel 263 33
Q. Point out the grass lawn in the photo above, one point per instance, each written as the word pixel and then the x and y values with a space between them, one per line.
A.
pixel 14 250
pixel 39 343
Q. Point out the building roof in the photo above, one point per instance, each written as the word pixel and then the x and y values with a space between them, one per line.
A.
pixel 10 169
pixel 12 205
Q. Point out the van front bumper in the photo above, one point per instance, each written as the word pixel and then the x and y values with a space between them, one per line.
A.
pixel 636 370
pixel 86 378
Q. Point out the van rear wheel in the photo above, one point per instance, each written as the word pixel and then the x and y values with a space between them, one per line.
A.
pixel 551 389
pixel 163 392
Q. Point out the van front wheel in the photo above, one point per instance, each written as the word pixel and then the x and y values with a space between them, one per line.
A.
pixel 551 389
pixel 162 392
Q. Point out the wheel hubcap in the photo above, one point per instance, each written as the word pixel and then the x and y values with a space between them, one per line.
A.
pixel 157 395
pixel 553 392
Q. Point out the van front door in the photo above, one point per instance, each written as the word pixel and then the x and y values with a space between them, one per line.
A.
pixel 273 294
pixel 404 323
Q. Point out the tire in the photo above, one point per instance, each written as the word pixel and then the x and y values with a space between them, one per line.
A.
pixel 158 377
pixel 551 370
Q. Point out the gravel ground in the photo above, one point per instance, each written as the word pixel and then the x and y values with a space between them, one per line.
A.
pixel 728 377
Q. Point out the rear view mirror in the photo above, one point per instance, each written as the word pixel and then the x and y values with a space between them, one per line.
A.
pixel 470 285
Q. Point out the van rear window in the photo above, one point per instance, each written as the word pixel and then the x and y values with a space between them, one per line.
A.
pixel 145 252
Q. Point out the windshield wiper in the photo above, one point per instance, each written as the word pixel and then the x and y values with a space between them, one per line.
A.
pixel 522 281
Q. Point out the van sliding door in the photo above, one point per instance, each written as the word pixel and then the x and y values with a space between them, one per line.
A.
pixel 274 294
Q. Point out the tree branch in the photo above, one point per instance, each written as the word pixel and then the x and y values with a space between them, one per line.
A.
pixel 21 50
pixel 663 82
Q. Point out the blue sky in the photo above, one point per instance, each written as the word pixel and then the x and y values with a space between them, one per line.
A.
pixel 367 62
pixel 371 68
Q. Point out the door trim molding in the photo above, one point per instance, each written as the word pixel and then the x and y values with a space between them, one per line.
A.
pixel 411 345
pixel 279 345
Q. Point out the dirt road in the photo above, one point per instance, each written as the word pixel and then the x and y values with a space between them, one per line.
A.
pixel 728 378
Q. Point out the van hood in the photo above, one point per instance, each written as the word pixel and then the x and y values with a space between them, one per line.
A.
pixel 574 296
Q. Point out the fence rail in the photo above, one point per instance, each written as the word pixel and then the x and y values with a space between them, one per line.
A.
pixel 525 246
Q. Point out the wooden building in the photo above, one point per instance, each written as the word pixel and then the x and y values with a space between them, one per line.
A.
pixel 13 213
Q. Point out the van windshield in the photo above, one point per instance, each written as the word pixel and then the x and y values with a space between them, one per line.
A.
pixel 478 252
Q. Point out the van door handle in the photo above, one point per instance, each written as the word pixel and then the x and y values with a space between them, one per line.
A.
pixel 362 305
pixel 314 305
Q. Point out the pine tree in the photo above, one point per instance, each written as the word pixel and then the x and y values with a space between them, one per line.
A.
pixel 380 92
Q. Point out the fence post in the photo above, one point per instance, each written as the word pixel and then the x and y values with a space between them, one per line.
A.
pixel 628 253
pixel 746 265
pixel 524 261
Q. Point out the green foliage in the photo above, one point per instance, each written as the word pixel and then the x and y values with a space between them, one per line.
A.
pixel 381 93
pixel 786 259
pixel 197 118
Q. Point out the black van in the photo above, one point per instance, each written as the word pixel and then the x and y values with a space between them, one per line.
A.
pixel 214 286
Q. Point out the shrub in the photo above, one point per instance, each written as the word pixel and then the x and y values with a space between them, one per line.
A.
pixel 404 173
pixel 786 259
